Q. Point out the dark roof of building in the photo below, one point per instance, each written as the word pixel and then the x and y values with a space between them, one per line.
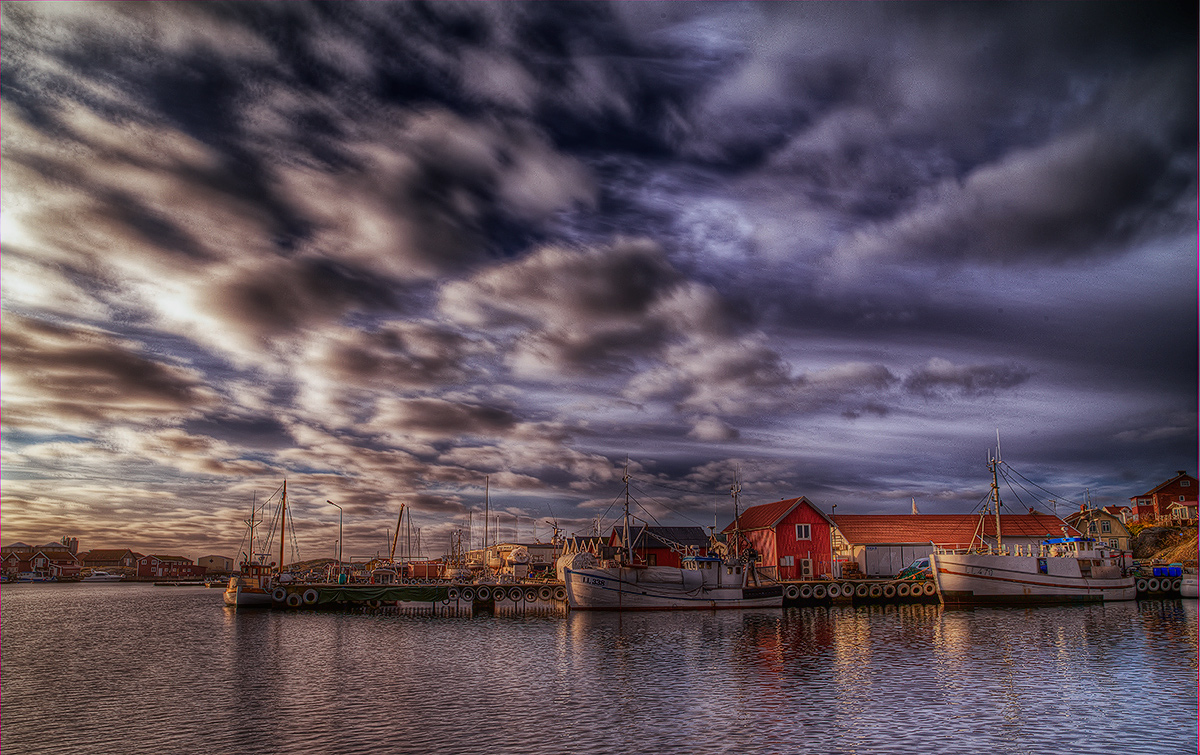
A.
pixel 653 537
pixel 1181 476
pixel 769 515
pixel 174 559
pixel 948 530
pixel 106 554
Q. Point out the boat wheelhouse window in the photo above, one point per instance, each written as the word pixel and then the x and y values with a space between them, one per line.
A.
pixel 803 532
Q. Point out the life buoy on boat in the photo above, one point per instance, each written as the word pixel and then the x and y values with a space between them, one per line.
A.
pixel 876 591
pixel 531 594
pixel 483 592
pixel 1176 584
pixel 833 591
pixel 902 590
pixel 889 591
pixel 806 592
pixel 560 593
pixel 929 588
pixel 453 593
pixel 1152 584
pixel 279 595
pixel 515 594
pixel 1142 586
pixel 294 600
pixel 791 592
pixel 861 591
pixel 468 594
pixel 311 596
pixel 820 591
pixel 545 592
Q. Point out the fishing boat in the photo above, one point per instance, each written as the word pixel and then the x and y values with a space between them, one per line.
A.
pixel 99 575
pixel 255 581
pixel 700 582
pixel 1189 585
pixel 1057 570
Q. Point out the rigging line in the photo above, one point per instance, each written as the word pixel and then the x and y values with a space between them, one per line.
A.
pixel 1031 482
pixel 673 511
pixel 1035 497
pixel 643 508
pixel 684 490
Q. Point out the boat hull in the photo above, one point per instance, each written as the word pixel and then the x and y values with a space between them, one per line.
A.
pixel 1189 586
pixel 625 589
pixel 970 579
pixel 247 597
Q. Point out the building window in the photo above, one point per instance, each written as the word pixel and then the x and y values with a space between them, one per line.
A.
pixel 803 532
pixel 1185 483
pixel 1092 527
pixel 1112 543
pixel 1106 527
pixel 1182 498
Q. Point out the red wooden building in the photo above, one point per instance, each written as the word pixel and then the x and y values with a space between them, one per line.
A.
pixel 791 537
pixel 57 563
pixel 1156 503
pixel 168 567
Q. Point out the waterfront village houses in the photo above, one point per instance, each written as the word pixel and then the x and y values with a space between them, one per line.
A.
pixel 660 546
pixel 1156 503
pixel 1101 524
pixel 792 538
pixel 174 567
pixel 882 545
pixel 101 558
pixel 56 560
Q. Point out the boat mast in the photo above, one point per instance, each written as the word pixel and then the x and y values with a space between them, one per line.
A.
pixel 282 525
pixel 734 490
pixel 992 464
pixel 625 534
pixel 486 497
pixel 396 535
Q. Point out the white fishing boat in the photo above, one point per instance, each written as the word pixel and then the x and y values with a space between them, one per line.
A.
pixel 1057 570
pixel 1189 585
pixel 701 582
pixel 99 575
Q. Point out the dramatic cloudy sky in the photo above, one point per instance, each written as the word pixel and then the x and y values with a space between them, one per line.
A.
pixel 384 250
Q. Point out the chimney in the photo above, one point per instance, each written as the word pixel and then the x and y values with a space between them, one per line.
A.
pixel 1181 472
pixel 1031 511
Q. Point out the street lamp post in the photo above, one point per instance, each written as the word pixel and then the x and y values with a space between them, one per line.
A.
pixel 339 542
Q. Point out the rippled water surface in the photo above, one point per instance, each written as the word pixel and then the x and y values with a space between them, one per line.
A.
pixel 111 668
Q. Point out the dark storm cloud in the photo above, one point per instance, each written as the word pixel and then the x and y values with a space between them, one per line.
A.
pixel 598 309
pixel 56 374
pixel 941 376
pixel 436 417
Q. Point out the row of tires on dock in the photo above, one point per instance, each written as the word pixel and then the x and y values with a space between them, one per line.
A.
pixel 1158 584
pixel 514 593
pixel 890 591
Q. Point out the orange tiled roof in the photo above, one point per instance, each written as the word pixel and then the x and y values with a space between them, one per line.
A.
pixel 944 529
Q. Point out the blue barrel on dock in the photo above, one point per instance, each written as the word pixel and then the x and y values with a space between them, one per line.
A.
pixel 1160 571
pixel 1175 570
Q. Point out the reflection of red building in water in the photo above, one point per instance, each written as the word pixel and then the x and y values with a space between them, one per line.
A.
pixel 791 537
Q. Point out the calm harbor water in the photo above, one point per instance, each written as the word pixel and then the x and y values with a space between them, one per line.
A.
pixel 136 669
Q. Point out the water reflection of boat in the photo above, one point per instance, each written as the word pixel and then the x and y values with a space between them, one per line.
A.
pixel 1058 570
pixel 99 575
pixel 701 582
